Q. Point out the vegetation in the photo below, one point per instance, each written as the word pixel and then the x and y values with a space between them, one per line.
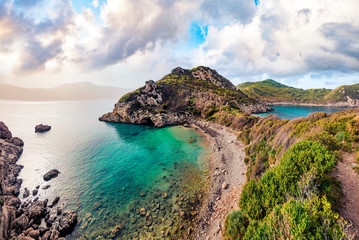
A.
pixel 290 193
pixel 272 91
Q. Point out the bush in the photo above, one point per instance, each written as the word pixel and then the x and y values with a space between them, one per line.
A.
pixel 235 226
pixel 309 219
pixel 258 198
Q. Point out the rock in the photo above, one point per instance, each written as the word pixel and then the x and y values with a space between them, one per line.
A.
pixel 164 195
pixel 34 192
pixel 142 211
pixel 16 141
pixel 38 186
pixel 26 193
pixel 56 200
pixel 46 187
pixel 67 222
pixel 37 210
pixel 21 223
pixel 224 185
pixel 42 128
pixel 51 174
pixel 51 235
pixel 58 211
pixel 143 194
pixel 34 234
pixel 4 131
pixel 183 214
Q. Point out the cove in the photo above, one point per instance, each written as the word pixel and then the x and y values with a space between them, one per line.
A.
pixel 295 111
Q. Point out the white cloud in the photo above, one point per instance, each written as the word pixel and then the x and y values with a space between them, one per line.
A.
pixel 95 3
pixel 297 42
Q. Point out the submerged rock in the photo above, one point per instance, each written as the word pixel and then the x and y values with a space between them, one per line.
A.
pixel 42 128
pixel 51 174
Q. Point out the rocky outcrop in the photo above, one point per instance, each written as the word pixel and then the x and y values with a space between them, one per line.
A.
pixel 180 96
pixel 42 128
pixel 25 220
pixel 51 174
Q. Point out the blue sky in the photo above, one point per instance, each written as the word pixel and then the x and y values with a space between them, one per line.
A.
pixel 302 43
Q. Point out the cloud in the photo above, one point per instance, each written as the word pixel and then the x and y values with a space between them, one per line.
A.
pixel 129 27
pixel 34 42
pixel 345 38
pixel 95 3
pixel 242 11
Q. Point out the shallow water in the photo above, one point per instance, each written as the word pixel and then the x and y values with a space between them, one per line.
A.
pixel 295 111
pixel 110 172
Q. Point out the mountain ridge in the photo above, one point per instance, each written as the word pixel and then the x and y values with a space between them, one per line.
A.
pixel 273 92
pixel 68 91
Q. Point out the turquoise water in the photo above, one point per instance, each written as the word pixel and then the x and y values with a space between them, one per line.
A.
pixel 110 172
pixel 294 111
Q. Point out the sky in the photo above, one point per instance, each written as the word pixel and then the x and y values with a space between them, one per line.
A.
pixel 301 43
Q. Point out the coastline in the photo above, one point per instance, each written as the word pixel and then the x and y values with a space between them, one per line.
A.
pixel 331 105
pixel 30 218
pixel 226 167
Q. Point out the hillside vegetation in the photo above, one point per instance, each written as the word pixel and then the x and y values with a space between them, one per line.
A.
pixel 183 94
pixel 274 92
pixel 291 192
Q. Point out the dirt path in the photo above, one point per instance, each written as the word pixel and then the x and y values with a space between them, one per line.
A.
pixel 226 166
pixel 350 185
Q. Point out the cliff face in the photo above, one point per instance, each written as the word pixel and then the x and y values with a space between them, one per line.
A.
pixel 10 151
pixel 180 95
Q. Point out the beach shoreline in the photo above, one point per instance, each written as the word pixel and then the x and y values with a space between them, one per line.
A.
pixel 227 170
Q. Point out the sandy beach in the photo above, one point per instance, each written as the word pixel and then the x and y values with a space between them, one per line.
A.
pixel 227 177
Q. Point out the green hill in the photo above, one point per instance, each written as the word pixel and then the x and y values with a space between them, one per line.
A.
pixel 275 92
pixel 272 91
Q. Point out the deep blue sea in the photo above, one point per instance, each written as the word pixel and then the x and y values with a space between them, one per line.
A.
pixel 294 111
pixel 109 172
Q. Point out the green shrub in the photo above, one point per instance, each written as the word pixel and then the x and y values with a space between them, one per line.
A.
pixel 309 219
pixel 235 226
pixel 260 197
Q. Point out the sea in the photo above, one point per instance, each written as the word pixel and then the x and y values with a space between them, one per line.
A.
pixel 295 111
pixel 125 181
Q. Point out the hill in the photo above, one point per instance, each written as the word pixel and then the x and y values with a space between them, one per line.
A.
pixel 182 94
pixel 75 91
pixel 273 92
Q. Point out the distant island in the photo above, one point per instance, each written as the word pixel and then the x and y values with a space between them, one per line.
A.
pixel 65 92
pixel 273 93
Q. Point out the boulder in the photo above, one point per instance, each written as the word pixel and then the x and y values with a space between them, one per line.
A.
pixel 37 210
pixel 20 223
pixel 4 131
pixel 51 174
pixel 225 185
pixel 67 222
pixel 42 128
pixel 16 141
pixel 26 193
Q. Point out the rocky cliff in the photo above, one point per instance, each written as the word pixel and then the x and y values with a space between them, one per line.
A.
pixel 180 96
pixel 32 219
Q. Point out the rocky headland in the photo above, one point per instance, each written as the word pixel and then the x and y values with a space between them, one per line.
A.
pixel 31 219
pixel 181 96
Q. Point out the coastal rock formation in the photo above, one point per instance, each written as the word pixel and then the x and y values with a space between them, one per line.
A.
pixel 51 174
pixel 179 96
pixel 23 220
pixel 42 128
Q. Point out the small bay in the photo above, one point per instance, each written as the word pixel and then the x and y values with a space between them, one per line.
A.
pixel 295 111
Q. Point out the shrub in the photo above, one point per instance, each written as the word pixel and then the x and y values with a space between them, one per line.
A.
pixel 260 197
pixel 309 219
pixel 235 226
